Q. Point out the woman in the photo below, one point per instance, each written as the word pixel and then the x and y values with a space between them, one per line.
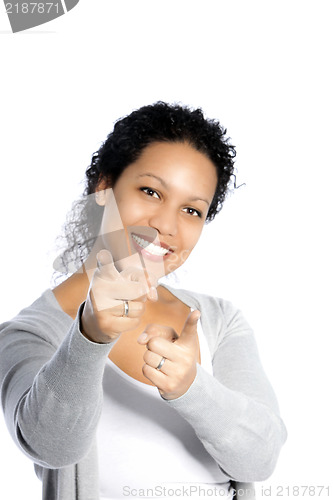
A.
pixel 186 403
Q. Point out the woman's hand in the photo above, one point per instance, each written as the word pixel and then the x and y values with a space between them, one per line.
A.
pixel 175 374
pixel 115 301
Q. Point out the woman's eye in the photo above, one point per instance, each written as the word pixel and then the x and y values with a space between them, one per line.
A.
pixel 193 211
pixel 150 192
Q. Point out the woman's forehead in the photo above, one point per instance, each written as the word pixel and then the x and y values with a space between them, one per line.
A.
pixel 175 165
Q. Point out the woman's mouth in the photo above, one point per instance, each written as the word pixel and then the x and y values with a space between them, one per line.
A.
pixel 149 249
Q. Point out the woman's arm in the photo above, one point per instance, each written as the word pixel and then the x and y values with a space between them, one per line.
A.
pixel 52 382
pixel 235 412
pixel 51 397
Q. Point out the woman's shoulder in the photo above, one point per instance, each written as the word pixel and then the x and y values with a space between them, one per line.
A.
pixel 221 321
pixel 219 317
pixel 205 301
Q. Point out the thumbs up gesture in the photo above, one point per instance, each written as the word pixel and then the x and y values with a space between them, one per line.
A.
pixel 171 366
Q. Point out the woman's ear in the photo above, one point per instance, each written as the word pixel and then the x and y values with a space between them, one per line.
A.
pixel 100 193
pixel 100 197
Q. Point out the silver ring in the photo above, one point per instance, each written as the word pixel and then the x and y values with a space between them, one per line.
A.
pixel 161 363
pixel 126 308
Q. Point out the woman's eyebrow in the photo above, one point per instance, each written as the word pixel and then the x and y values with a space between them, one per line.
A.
pixel 199 199
pixel 148 174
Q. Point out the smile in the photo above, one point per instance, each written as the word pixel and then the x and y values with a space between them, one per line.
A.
pixel 150 247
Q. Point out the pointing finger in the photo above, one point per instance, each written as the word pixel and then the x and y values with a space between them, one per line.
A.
pixel 151 331
pixel 105 265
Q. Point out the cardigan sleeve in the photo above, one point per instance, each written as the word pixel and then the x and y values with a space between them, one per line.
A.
pixel 234 412
pixel 51 395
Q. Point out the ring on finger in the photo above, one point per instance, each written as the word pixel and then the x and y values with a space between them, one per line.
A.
pixel 126 308
pixel 161 363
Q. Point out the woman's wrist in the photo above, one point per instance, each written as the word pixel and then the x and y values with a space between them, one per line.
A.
pixel 82 329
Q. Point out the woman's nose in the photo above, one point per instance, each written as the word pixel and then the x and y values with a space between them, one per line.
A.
pixel 164 220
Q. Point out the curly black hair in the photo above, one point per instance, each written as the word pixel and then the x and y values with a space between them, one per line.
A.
pixel 159 122
pixel 162 122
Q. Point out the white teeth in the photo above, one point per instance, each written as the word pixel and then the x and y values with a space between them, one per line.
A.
pixel 150 247
pixel 155 250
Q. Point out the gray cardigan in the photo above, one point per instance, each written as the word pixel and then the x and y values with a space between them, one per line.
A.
pixel 51 393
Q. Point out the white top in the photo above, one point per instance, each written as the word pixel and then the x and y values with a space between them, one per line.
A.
pixel 146 449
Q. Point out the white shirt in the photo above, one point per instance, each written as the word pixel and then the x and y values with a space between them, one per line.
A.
pixel 146 449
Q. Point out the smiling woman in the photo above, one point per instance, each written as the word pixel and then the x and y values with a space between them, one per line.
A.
pixel 185 401
pixel 170 189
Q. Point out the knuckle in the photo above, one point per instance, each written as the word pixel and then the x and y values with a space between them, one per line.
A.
pixel 140 307
pixel 146 356
pixel 145 369
pixel 153 343
pixel 154 330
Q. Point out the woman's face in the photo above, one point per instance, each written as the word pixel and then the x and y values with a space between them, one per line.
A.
pixel 163 200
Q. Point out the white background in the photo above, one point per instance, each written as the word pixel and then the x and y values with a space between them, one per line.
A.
pixel 264 70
